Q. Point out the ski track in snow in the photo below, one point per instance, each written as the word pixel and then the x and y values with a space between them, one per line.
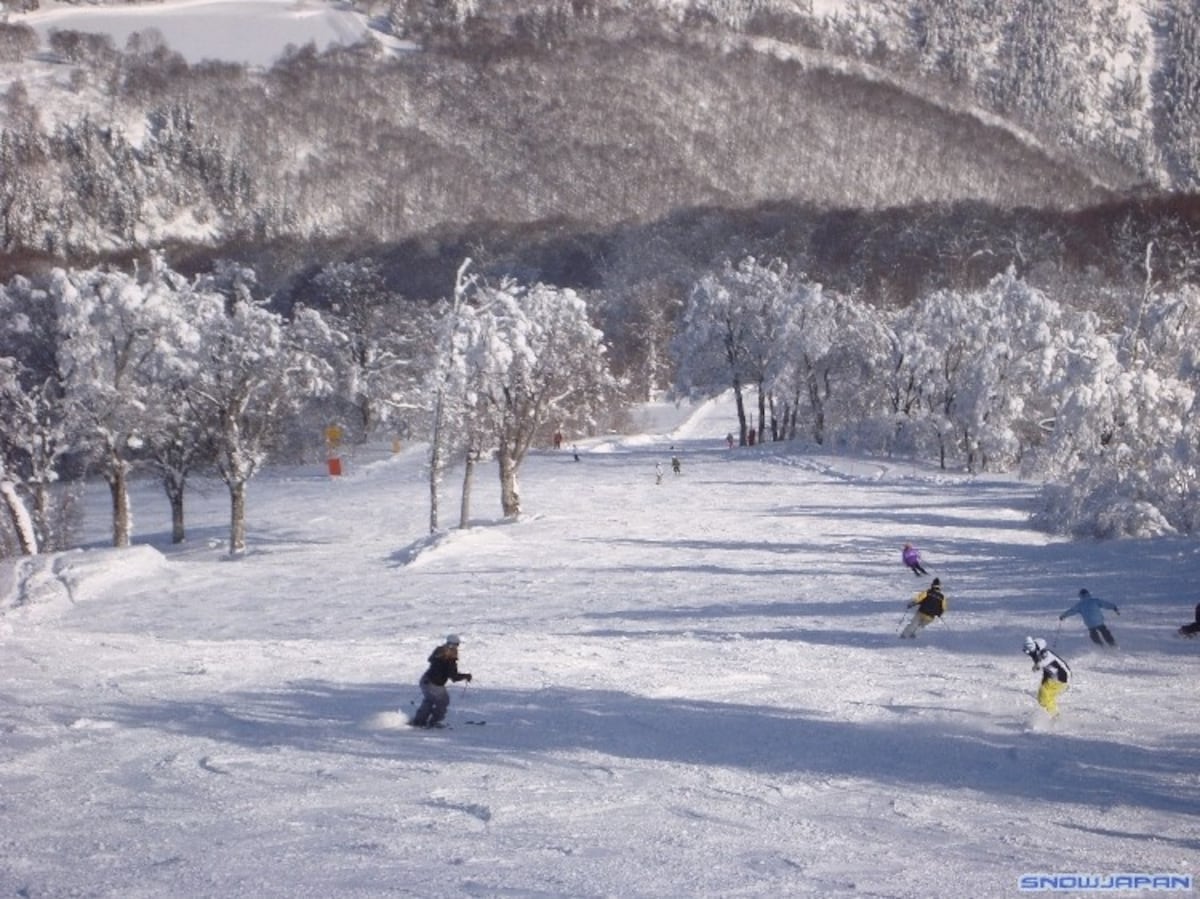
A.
pixel 691 688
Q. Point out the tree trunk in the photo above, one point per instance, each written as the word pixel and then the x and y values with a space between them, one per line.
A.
pixel 510 499
pixel 43 521
pixel 366 412
pixel 461 284
pixel 19 516
pixel 815 402
pixel 762 410
pixel 464 511
pixel 741 411
pixel 175 498
pixel 435 464
pixel 237 517
pixel 119 488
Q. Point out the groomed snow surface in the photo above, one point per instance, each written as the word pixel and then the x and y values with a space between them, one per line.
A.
pixel 692 688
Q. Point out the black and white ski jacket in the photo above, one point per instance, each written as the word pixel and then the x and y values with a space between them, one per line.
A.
pixel 1053 667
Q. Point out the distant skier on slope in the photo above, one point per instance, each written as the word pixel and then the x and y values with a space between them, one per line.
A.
pixel 1055 674
pixel 930 604
pixel 1090 609
pixel 443 666
pixel 912 558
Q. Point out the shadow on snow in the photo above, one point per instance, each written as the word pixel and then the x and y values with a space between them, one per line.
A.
pixel 318 716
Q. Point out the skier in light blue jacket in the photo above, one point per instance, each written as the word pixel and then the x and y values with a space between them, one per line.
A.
pixel 1090 609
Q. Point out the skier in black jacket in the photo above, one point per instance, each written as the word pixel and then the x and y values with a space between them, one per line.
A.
pixel 443 666
pixel 930 604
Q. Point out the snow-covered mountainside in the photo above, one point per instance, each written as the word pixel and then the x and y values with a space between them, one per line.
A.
pixel 861 109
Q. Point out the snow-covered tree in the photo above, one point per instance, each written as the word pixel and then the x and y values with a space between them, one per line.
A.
pixel 638 320
pixel 113 328
pixel 974 358
pixel 17 514
pixel 556 369
pixel 951 35
pixel 997 408
pixel 826 359
pixel 381 341
pixel 1129 482
pixel 35 427
pixel 476 339
pixel 446 386
pixel 258 369
pixel 1180 96
pixel 15 509
pixel 523 356
pixel 725 335
pixel 176 443
pixel 1122 458
pixel 178 446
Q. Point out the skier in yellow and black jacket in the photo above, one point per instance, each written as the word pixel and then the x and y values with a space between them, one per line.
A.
pixel 930 604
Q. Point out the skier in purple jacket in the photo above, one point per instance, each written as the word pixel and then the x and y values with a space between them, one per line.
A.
pixel 912 558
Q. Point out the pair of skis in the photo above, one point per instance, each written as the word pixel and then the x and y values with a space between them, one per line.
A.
pixel 477 722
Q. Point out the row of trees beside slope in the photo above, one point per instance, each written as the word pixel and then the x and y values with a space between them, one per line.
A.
pixel 105 372
pixel 637 278
pixel 102 371
pixel 996 378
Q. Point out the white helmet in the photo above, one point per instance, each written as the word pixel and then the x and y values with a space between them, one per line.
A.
pixel 1030 644
pixel 452 639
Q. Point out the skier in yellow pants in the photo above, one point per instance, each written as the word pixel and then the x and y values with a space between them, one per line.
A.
pixel 1048 695
pixel 1055 674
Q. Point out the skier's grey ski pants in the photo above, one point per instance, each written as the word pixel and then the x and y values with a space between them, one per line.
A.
pixel 437 701
pixel 919 620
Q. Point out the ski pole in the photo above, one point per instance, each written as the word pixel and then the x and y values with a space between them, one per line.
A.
pixel 1054 642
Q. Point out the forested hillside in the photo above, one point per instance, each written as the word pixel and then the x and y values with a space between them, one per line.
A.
pixel 599 120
